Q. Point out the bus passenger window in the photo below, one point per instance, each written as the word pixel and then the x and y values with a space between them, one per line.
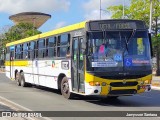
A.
pixel 41 48
pixel 18 52
pixel 31 50
pixel 25 50
pixel 64 45
pixel 51 47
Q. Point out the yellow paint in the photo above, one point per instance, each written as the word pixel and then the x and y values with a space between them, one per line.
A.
pixel 50 33
pixel 17 63
pixel 105 89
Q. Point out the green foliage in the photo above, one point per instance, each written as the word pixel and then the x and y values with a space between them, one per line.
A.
pixel 117 11
pixel 140 10
pixel 20 31
pixel 17 32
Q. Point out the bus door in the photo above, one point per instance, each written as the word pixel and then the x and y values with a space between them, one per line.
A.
pixel 77 65
pixel 11 64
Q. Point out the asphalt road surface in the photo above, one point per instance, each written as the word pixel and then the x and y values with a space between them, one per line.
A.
pixel 45 99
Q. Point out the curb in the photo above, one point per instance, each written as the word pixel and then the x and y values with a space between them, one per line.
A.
pixel 155 88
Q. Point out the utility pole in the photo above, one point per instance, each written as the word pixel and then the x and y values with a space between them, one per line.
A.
pixel 100 10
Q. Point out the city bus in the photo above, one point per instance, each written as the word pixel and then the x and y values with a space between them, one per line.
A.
pixel 109 58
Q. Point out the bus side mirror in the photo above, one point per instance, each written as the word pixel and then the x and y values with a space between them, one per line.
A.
pixel 150 41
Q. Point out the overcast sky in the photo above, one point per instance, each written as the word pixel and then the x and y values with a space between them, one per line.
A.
pixel 64 12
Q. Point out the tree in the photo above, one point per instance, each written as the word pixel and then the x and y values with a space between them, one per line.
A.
pixel 20 31
pixel 17 32
pixel 140 10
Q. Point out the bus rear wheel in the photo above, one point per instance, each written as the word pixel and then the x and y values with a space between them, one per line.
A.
pixel 65 89
pixel 17 78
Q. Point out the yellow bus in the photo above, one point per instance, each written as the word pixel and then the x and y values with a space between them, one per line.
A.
pixel 98 57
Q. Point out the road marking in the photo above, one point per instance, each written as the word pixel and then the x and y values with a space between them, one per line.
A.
pixel 16 107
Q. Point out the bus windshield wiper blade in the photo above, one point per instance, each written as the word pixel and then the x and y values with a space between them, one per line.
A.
pixel 133 32
pixel 128 40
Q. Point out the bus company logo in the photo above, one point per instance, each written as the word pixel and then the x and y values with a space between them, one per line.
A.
pixel 124 81
pixel 53 64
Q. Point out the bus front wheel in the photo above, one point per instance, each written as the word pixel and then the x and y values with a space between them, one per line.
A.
pixel 65 88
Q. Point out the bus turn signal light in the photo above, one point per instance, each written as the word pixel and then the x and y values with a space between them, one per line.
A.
pixel 94 83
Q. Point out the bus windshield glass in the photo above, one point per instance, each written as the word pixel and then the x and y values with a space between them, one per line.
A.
pixel 118 51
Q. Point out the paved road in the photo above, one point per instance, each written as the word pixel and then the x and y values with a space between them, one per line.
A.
pixel 44 99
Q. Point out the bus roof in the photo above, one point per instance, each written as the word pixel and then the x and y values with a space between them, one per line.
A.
pixel 90 25
pixel 50 33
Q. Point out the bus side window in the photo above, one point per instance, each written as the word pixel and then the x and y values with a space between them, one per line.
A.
pixel 28 48
pixel 55 46
pixel 58 46
pixel 32 50
pixel 21 52
pixel 46 47
pixel 18 52
pixel 51 47
pixel 64 44
pixel 25 51
pixel 36 49
pixel 68 49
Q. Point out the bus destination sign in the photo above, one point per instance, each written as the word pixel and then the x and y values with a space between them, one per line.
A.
pixel 109 26
pixel 116 25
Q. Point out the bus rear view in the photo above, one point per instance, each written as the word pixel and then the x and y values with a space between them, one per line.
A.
pixel 118 58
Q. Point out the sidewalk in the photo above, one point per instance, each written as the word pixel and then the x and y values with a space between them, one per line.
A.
pixel 156 81
pixel 2 69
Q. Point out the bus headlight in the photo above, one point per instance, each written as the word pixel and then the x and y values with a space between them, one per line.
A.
pixel 147 81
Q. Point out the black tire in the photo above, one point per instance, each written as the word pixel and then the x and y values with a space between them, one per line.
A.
pixel 112 97
pixel 22 79
pixel 17 78
pixel 65 89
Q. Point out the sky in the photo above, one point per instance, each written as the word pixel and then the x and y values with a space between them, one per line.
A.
pixel 63 12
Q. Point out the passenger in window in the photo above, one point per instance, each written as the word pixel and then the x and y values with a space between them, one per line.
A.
pixel 104 49
pixel 68 55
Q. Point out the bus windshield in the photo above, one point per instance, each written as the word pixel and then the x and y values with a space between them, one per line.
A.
pixel 118 51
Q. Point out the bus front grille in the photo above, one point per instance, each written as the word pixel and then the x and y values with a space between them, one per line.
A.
pixel 121 84
pixel 124 92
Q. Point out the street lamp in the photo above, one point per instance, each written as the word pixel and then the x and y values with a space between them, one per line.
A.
pixel 100 10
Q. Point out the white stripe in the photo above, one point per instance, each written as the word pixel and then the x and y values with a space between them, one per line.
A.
pixel 18 107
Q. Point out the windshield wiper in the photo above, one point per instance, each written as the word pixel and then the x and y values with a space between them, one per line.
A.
pixel 128 40
pixel 133 32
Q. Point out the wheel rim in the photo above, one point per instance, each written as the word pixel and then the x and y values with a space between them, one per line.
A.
pixel 22 82
pixel 17 79
pixel 65 87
